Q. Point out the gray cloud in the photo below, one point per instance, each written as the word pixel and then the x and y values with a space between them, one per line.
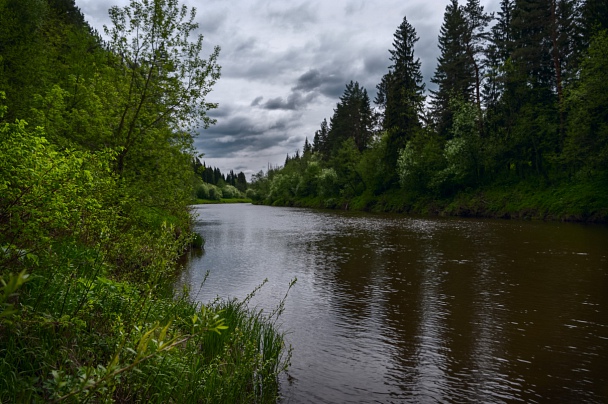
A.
pixel 295 18
pixel 256 101
pixel 212 21
pixel 309 81
pixel 294 101
pixel 285 64
pixel 240 134
pixel 330 83
pixel 354 7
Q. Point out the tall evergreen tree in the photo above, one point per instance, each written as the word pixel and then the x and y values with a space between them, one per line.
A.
pixel 475 41
pixel 594 18
pixel 319 144
pixel 454 75
pixel 352 118
pixel 498 51
pixel 307 148
pixel 401 94
pixel 241 182
pixel 543 54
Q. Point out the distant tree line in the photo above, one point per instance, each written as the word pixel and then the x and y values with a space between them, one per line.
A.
pixel 213 175
pixel 520 97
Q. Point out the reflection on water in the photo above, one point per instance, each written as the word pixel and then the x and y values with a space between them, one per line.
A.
pixel 397 309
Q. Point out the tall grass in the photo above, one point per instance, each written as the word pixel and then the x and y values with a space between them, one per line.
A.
pixel 82 337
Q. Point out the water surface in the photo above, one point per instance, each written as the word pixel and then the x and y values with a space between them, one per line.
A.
pixel 399 309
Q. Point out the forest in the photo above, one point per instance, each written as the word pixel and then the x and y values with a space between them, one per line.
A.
pixel 516 125
pixel 96 179
pixel 212 185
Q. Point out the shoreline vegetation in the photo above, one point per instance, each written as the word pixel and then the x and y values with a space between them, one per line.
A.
pixel 96 179
pixel 579 202
pixel 566 202
pixel 221 201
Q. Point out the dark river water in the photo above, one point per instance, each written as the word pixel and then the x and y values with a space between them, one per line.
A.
pixel 400 309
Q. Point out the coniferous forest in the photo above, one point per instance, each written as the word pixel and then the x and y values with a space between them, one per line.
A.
pixel 517 125
pixel 96 175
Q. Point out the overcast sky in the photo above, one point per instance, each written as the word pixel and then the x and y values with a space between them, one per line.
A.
pixel 286 63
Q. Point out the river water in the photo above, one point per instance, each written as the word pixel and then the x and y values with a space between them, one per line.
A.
pixel 401 309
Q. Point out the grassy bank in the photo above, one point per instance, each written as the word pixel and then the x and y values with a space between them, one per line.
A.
pixel 222 200
pixel 582 201
pixel 81 338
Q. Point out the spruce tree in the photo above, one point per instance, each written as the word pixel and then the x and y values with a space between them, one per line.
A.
pixel 454 75
pixel 498 51
pixel 307 150
pixel 401 94
pixel 476 40
pixel 352 118
pixel 319 144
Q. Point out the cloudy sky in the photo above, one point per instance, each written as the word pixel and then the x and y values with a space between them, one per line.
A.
pixel 285 64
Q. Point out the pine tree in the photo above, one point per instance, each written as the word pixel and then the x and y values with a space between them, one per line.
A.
pixel 319 144
pixel 454 75
pixel 476 40
pixel 545 45
pixel 307 150
pixel 241 182
pixel 498 52
pixel 594 18
pixel 401 94
pixel 352 118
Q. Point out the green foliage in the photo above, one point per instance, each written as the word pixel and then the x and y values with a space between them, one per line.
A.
pixel 352 119
pixel 308 184
pixel 345 163
pixel 400 95
pixel 94 199
pixel 47 193
pixel 587 140
pixel 208 191
pixel 463 152
pixel 92 322
pixel 373 168
pixel 157 61
pixel 418 164
pixel 515 104
pixel 231 192
pixel 9 291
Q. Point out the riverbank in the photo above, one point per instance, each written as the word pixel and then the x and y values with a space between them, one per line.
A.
pixel 222 200
pixel 78 339
pixel 585 201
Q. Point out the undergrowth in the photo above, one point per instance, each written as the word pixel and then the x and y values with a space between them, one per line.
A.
pixel 87 308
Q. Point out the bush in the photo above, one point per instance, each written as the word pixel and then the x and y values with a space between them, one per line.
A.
pixel 251 194
pixel 230 192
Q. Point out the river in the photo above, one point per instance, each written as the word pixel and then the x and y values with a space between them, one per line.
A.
pixel 391 308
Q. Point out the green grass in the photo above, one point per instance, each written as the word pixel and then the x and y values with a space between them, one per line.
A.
pixel 81 336
pixel 212 201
